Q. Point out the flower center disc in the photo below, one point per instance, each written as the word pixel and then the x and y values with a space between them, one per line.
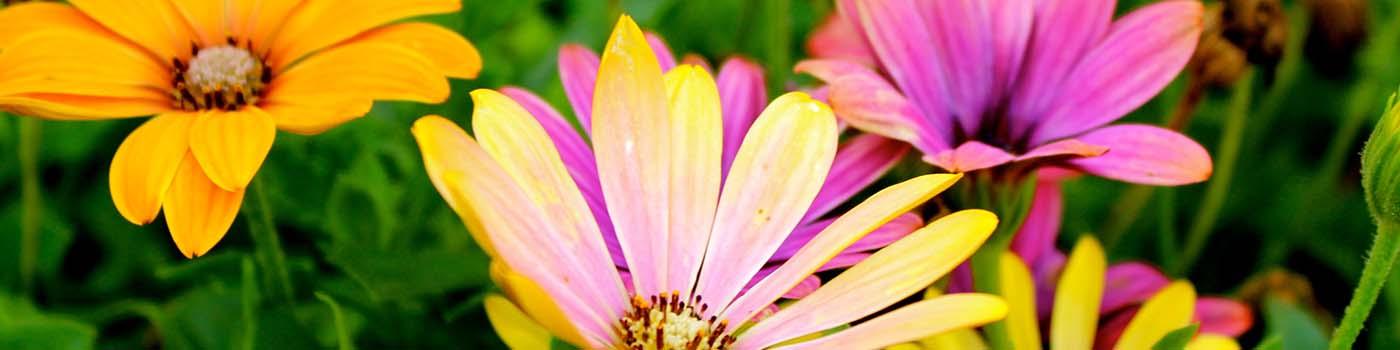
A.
pixel 221 77
pixel 666 322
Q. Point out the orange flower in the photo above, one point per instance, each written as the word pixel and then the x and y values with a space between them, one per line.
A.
pixel 220 77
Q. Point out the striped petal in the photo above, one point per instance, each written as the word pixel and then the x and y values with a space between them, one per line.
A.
pixel 696 138
pixel 743 94
pixel 891 274
pixel 198 212
pixel 516 329
pixel 969 156
pixel 145 165
pixel 454 55
pixel 898 32
pixel 864 99
pixel 258 20
pixel 231 146
pixel 74 62
pixel 775 176
pixel 206 20
pixel 1019 290
pixel 1077 297
pixel 311 115
pixel 318 24
pixel 1130 283
pixel 1169 310
pixel 917 320
pixel 1062 32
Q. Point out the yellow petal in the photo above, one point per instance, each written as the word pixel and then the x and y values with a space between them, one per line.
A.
pixel 439 140
pixel 904 346
pixel 536 303
pixel 258 20
pixel 25 18
pixel 514 328
pixel 231 146
pixel 917 320
pixel 696 140
pixel 523 149
pixel 891 274
pixel 1170 309
pixel 1076 314
pixel 321 23
pixel 206 21
pixel 957 339
pixel 1019 290
pixel 370 71
pixel 452 53
pixel 197 212
pixel 1207 341
pixel 154 24
pixel 630 140
pixel 145 165
pixel 74 107
pixel 74 62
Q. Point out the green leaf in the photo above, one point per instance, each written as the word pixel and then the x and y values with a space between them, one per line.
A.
pixel 398 275
pixel 1295 328
pixel 1177 339
pixel 48 334
pixel 342 335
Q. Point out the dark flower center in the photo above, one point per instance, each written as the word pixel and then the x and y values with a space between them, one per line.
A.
pixel 225 77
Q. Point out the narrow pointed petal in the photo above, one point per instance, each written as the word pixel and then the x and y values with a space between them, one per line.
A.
pixel 662 52
pixel 891 274
pixel 838 38
pixel 1130 283
pixel 632 142
pixel 743 94
pixel 1146 154
pixel 1223 316
pixel 775 177
pixel 318 24
pixel 535 303
pixel 516 329
pixel 454 55
pixel 1037 234
pixel 1141 54
pixel 863 98
pixel 578 71
pixel 846 230
pixel 1063 31
pixel 969 156
pixel 917 320
pixel 899 34
pixel 696 137
pixel 1019 290
pixel 521 233
pixel 1077 296
pixel 145 165
pixel 154 24
pixel 24 18
pixel 231 146
pixel 1169 310
pixel 578 159
pixel 198 212
pixel 1212 342
pixel 859 162
pixel 524 150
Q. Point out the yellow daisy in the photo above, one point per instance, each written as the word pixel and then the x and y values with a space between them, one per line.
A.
pixel 220 77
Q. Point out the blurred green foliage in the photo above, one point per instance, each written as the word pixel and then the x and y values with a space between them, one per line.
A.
pixel 376 258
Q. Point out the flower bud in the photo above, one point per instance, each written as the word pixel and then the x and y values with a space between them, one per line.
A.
pixel 1338 27
pixel 1380 167
pixel 1217 62
pixel 1259 27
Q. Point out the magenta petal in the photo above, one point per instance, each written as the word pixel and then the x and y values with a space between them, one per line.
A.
pixel 899 35
pixel 961 37
pixel 960 280
pixel 697 60
pixel 1145 154
pixel 861 97
pixel 807 286
pixel 1066 147
pixel 838 38
pixel 1222 316
pixel 1063 31
pixel 1046 272
pixel 882 236
pixel 859 162
pixel 662 52
pixel 1010 23
pixel 1143 52
pixel 1130 283
pixel 970 156
pixel 578 159
pixel 742 95
pixel 1110 331
pixel 578 71
pixel 1037 234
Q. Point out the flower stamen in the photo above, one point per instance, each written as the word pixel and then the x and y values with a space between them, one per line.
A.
pixel 225 77
pixel 667 322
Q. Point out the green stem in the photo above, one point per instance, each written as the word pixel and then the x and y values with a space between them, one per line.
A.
pixel 1166 226
pixel 1340 149
pixel 31 199
pixel 1373 277
pixel 1227 155
pixel 1124 213
pixel 271 258
pixel 986 274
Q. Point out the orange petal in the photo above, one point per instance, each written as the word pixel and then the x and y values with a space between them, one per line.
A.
pixel 370 71
pixel 452 53
pixel 63 61
pixel 24 18
pixel 231 146
pixel 198 212
pixel 205 19
pixel 74 107
pixel 145 165
pixel 313 115
pixel 321 23
pixel 154 24
pixel 258 20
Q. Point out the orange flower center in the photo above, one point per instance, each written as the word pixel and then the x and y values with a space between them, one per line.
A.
pixel 667 322
pixel 222 77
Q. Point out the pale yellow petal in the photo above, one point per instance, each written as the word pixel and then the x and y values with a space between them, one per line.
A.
pixel 440 142
pixel 1019 290
pixel 1207 341
pixel 1169 310
pixel 1077 296
pixel 145 165
pixel 452 53
pixel 891 274
pixel 696 140
pixel 515 329
pixel 231 145
pixel 957 339
pixel 198 212
pixel 917 320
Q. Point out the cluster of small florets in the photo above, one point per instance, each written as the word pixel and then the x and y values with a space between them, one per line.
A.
pixel 668 322
pixel 221 77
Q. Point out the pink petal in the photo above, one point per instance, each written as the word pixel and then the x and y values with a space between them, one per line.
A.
pixel 697 60
pixel 578 158
pixel 960 280
pixel 807 286
pixel 864 99
pixel 1010 25
pixel 961 40
pixel 1110 331
pixel 900 37
pixel 1066 147
pixel 1146 154
pixel 1223 316
pixel 1037 234
pixel 892 231
pixel 1046 271
pixel 969 156
pixel 838 38
pixel 1143 52
pixel 578 71
pixel 742 95
pixel 859 162
pixel 663 52
pixel 1128 284
pixel 1063 31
